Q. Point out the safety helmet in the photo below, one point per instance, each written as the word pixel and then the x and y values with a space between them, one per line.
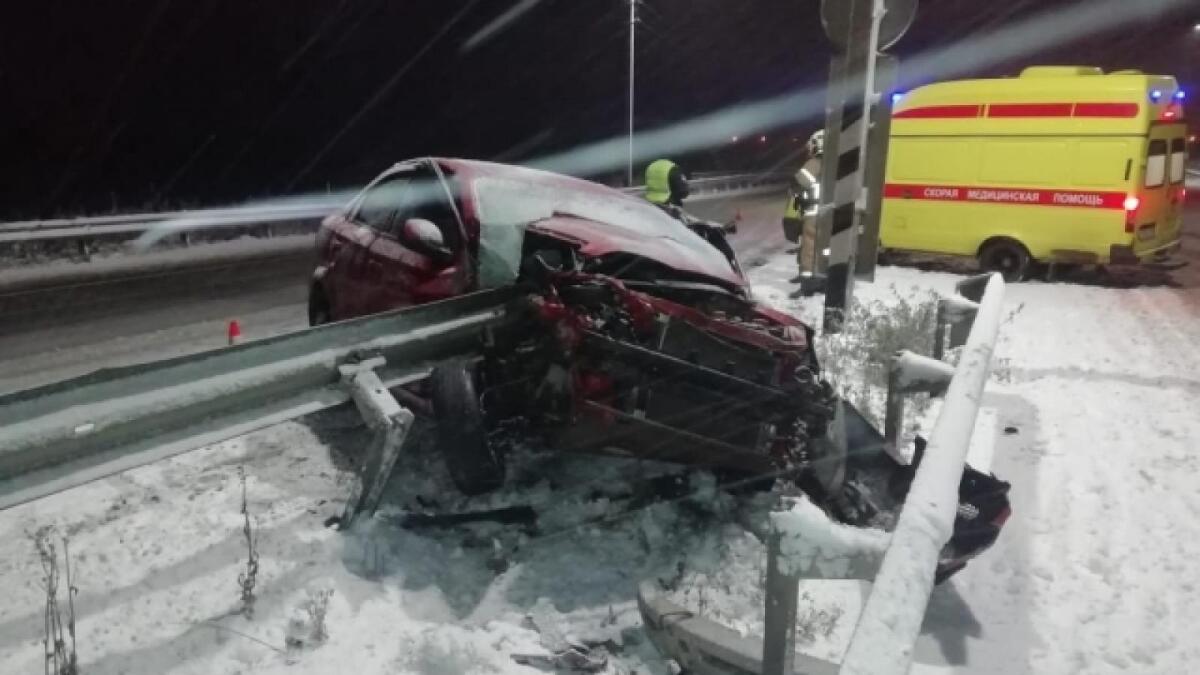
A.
pixel 816 143
pixel 666 183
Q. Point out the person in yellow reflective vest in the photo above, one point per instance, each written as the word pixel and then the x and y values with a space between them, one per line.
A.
pixel 667 187
pixel 800 217
pixel 666 184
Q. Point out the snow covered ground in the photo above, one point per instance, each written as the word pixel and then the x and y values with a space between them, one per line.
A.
pixel 1093 420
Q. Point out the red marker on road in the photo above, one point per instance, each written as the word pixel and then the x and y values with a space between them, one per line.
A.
pixel 234 332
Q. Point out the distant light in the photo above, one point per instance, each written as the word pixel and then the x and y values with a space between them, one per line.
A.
pixel 1192 138
pixel 896 97
pixel 1155 94
pixel 1131 203
pixel 1180 95
pixel 1196 28
pixel 734 139
pixel 762 139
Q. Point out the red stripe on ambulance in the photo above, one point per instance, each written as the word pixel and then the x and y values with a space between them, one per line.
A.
pixel 940 112
pixel 996 195
pixel 1106 110
pixel 1029 110
pixel 1021 111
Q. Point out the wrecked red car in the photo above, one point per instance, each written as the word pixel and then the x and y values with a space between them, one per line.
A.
pixel 635 335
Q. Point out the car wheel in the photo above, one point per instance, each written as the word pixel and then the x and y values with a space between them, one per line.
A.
pixel 318 307
pixel 1007 257
pixel 474 466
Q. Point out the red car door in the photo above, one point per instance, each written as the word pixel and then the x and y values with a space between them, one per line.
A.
pixel 401 272
pixel 350 273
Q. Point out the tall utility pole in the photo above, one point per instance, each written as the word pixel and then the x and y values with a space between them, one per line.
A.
pixel 632 29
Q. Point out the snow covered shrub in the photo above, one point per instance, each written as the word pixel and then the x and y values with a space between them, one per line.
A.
pixel 857 360
pixel 61 657
pixel 316 607
pixel 248 578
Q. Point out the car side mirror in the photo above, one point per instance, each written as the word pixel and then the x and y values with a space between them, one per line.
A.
pixel 425 237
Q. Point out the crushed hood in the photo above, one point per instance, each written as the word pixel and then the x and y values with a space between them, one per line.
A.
pixel 685 251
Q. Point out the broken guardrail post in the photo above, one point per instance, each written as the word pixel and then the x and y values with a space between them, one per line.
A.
pixel 389 423
pixel 910 374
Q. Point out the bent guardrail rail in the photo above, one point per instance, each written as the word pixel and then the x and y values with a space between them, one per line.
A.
pixel 65 434
pixel 805 543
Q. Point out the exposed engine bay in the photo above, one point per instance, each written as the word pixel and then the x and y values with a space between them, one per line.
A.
pixel 680 371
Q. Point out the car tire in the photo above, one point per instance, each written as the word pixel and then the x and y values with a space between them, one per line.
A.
pixel 1006 256
pixel 318 307
pixel 474 466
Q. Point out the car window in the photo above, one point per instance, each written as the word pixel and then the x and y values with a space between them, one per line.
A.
pixel 1156 163
pixel 382 201
pixel 1178 160
pixel 427 199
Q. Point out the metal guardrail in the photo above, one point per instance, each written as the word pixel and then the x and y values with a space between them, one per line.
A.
pixel 65 434
pixel 891 620
pixel 268 213
pixel 902 563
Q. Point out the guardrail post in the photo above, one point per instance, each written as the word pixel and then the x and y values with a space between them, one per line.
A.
pixel 779 623
pixel 939 331
pixel 910 374
pixel 389 422
pixel 972 289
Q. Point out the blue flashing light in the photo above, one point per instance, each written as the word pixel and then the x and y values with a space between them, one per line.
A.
pixel 1155 94
pixel 896 97
pixel 1180 95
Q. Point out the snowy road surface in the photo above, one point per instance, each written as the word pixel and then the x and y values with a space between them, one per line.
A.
pixel 1095 405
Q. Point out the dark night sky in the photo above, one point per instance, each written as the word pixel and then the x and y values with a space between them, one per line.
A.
pixel 168 102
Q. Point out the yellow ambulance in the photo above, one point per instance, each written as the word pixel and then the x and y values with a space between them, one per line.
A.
pixel 1063 165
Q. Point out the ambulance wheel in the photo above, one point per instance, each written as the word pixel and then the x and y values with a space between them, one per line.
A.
pixel 1007 257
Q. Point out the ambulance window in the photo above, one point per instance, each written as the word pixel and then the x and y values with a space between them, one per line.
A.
pixel 1156 163
pixel 1178 160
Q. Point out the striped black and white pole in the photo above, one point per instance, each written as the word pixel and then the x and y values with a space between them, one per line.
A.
pixel 848 204
pixel 848 180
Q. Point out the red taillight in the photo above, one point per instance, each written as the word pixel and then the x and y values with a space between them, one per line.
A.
pixel 1131 205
